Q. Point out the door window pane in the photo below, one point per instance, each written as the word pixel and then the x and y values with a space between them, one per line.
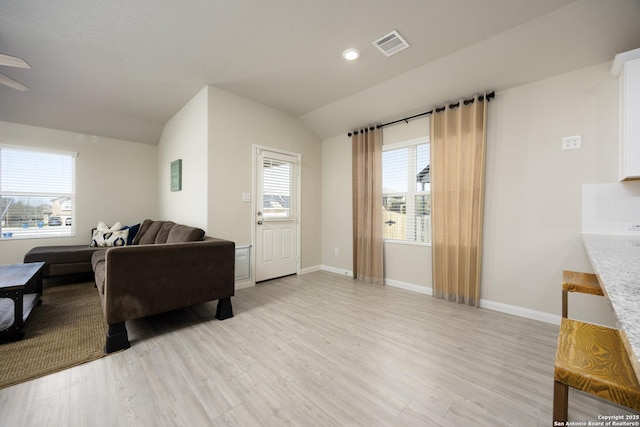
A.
pixel 276 191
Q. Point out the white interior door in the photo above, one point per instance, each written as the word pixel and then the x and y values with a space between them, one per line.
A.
pixel 276 219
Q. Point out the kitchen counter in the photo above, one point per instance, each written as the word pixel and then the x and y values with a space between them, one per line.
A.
pixel 616 261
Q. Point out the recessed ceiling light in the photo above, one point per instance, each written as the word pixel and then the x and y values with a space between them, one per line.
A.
pixel 351 54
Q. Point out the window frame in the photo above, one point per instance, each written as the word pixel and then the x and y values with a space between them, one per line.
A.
pixel 41 230
pixel 412 192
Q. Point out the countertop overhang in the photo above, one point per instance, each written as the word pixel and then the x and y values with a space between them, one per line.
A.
pixel 616 262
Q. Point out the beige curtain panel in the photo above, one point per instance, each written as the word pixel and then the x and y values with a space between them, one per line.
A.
pixel 458 147
pixel 367 206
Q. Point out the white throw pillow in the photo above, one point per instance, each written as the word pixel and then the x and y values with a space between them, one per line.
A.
pixel 109 238
pixel 104 227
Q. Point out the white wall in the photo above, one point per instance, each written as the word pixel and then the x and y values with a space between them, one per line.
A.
pixel 235 124
pixel 115 181
pixel 185 136
pixel 532 227
pixel 337 214
pixel 533 203
pixel 213 134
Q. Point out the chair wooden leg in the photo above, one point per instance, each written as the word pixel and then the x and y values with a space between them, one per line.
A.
pixel 565 302
pixel 560 402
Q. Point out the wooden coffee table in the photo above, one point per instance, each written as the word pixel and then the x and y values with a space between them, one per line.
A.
pixel 22 283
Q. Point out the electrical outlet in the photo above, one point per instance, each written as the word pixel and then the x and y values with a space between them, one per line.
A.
pixel 336 251
pixel 633 227
pixel 571 142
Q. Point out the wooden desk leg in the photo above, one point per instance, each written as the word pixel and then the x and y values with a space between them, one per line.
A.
pixel 560 401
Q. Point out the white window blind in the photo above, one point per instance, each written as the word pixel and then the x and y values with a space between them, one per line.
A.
pixel 276 191
pixel 37 193
pixel 406 191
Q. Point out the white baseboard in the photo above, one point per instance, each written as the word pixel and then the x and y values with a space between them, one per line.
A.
pixel 520 311
pixel 489 305
pixel 310 269
pixel 336 270
pixel 244 284
pixel 409 286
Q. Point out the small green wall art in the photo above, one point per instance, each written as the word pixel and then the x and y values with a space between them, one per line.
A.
pixel 176 175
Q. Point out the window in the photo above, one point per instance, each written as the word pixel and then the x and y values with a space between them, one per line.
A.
pixel 37 193
pixel 406 191
pixel 277 176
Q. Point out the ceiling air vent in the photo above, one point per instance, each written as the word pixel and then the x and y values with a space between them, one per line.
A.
pixel 391 43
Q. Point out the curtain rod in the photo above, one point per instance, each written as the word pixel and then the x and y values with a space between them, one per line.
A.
pixel 437 110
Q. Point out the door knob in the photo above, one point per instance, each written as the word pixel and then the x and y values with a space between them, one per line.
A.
pixel 260 222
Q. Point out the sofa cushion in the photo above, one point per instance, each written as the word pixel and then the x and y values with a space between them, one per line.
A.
pixel 163 233
pixel 183 233
pixel 98 264
pixel 63 260
pixel 61 254
pixel 142 231
pixel 148 235
pixel 97 258
pixel 153 232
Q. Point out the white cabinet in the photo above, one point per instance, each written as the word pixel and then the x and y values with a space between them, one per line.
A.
pixel 627 67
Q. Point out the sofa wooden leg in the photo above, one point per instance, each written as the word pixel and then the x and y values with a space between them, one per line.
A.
pixel 117 338
pixel 224 310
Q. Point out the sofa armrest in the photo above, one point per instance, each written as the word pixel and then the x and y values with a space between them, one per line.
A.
pixel 143 280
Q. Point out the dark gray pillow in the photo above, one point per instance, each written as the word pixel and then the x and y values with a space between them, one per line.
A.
pixel 148 236
pixel 142 231
pixel 183 233
pixel 163 232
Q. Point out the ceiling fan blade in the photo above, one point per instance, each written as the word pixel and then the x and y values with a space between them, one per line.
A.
pixel 13 61
pixel 8 81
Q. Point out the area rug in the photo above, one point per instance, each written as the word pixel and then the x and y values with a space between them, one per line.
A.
pixel 66 330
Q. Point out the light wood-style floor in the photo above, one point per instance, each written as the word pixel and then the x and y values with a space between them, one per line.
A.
pixel 313 350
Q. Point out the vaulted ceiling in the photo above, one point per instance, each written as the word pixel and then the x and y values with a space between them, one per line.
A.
pixel 121 68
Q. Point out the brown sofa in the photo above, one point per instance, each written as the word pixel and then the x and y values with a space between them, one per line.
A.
pixel 168 266
pixel 64 264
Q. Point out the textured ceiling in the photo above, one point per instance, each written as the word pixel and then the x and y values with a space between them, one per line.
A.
pixel 123 68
